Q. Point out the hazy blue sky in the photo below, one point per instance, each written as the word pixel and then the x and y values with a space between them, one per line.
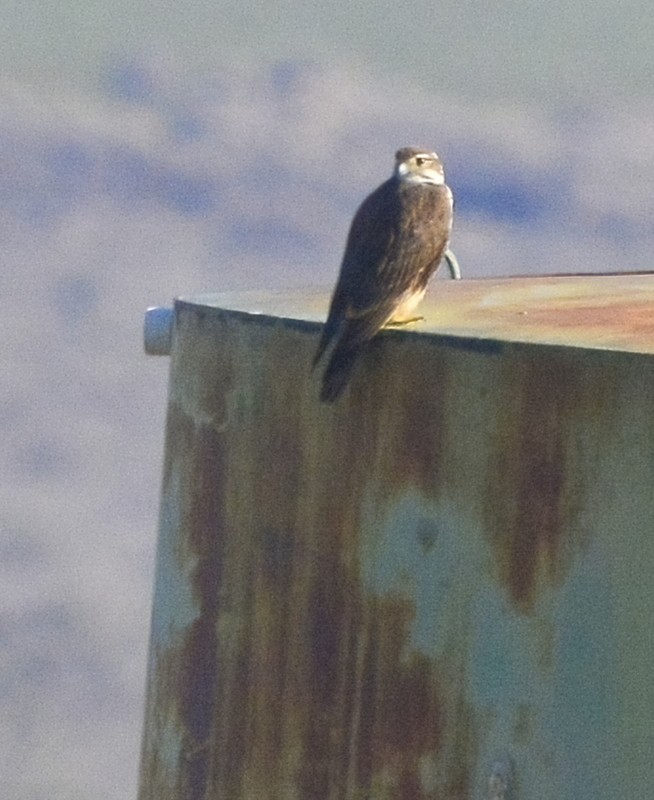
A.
pixel 552 52
pixel 155 149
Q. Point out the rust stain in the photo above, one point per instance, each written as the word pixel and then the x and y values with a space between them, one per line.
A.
pixel 401 716
pixel 293 674
pixel 532 491
pixel 205 527
pixel 593 311
pixel 418 375
pixel 584 311
pixel 632 320
pixel 186 672
pixel 296 678
pixel 376 436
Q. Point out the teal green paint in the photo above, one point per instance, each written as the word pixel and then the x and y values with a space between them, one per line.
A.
pixel 417 551
pixel 585 704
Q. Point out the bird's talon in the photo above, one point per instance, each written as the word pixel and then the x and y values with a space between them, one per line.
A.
pixel 398 323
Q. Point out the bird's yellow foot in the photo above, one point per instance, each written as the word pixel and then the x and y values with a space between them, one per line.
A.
pixel 398 323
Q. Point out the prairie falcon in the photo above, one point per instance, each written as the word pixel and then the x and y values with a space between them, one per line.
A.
pixel 396 242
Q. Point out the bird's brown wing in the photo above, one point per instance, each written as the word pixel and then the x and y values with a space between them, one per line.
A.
pixel 371 233
pixel 393 247
pixel 371 236
pixel 396 242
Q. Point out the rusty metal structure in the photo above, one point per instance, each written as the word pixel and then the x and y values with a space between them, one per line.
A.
pixel 440 587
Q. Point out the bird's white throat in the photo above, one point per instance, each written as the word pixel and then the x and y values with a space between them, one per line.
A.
pixel 426 175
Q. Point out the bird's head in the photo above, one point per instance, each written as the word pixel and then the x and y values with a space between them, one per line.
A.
pixel 413 165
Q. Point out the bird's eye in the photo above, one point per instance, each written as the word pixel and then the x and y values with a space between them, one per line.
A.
pixel 420 161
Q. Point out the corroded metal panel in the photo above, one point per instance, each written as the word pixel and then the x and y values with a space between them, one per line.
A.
pixel 614 312
pixel 439 587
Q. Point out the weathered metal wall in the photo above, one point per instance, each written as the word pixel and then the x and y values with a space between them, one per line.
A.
pixel 441 585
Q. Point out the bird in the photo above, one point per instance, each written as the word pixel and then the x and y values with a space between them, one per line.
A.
pixel 397 239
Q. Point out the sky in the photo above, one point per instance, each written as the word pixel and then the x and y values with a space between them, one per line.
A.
pixel 158 150
pixel 552 52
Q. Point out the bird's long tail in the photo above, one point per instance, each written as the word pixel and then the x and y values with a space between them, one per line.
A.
pixel 352 337
pixel 338 371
